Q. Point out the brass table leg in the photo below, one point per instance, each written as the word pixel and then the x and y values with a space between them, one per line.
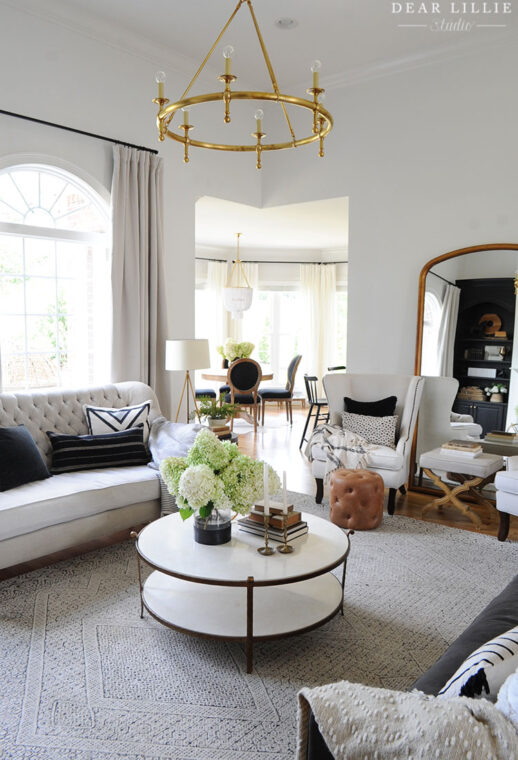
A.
pixel 249 624
pixel 134 535
pixel 468 484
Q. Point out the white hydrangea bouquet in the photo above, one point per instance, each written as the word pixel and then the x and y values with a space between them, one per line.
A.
pixel 232 350
pixel 215 476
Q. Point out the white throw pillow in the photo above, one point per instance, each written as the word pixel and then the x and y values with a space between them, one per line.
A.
pixel 507 701
pixel 485 670
pixel 101 419
pixel 378 430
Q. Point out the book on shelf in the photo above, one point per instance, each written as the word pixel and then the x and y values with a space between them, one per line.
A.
pixel 255 529
pixel 276 520
pixel 276 507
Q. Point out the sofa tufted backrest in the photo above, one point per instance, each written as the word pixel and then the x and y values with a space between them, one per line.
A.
pixel 62 410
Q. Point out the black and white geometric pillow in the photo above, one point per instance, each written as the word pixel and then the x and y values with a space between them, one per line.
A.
pixel 101 419
pixel 378 430
pixel 485 670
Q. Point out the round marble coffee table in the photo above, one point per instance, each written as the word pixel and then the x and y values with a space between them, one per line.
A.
pixel 231 591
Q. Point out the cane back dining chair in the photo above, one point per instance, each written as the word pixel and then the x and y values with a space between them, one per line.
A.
pixel 282 395
pixel 315 405
pixel 243 378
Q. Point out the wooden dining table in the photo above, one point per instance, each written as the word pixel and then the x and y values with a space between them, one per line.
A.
pixel 220 374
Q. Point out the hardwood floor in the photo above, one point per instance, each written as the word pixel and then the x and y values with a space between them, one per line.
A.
pixel 278 444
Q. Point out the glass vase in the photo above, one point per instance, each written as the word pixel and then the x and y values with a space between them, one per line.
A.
pixel 215 529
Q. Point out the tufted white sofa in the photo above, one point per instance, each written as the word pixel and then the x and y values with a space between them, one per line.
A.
pixel 38 519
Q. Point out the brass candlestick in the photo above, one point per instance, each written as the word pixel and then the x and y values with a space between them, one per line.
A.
pixel 266 549
pixel 285 548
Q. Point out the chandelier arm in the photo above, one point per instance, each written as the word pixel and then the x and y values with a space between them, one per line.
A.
pixel 202 66
pixel 270 67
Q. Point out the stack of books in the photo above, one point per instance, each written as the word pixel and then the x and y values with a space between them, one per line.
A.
pixel 254 523
pixel 470 449
pixel 222 431
pixel 500 436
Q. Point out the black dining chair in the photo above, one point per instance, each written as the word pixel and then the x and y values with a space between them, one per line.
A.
pixel 243 378
pixel 201 392
pixel 283 395
pixel 315 405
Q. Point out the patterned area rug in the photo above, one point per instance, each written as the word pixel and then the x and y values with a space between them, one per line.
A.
pixel 83 678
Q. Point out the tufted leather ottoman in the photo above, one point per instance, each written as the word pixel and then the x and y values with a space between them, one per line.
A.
pixel 356 499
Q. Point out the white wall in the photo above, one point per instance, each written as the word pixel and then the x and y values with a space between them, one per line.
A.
pixel 52 72
pixel 428 159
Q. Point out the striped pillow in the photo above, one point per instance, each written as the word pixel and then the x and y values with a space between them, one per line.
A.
pixel 93 452
pixel 485 670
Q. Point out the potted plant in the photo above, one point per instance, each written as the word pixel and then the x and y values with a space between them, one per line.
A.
pixel 216 413
pixel 496 392
pixel 232 350
pixel 211 481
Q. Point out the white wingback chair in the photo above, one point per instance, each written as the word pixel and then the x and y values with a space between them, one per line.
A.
pixel 435 426
pixel 392 464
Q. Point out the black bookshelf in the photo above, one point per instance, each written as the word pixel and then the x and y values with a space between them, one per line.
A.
pixel 477 299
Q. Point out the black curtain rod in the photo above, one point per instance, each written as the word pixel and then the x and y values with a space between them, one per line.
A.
pixel 250 261
pixel 441 278
pixel 77 131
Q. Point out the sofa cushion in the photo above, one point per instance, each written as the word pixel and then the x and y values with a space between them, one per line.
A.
pixel 484 671
pixel 91 452
pixel 101 419
pixel 385 407
pixel 20 460
pixel 499 615
pixel 378 430
pixel 73 495
pixel 380 458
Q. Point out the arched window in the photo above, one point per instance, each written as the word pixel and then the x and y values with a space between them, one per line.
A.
pixel 54 280
pixel 431 324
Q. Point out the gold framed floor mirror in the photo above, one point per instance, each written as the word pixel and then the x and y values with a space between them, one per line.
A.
pixel 466 315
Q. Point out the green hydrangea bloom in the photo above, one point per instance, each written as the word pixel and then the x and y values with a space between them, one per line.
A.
pixel 171 470
pixel 209 450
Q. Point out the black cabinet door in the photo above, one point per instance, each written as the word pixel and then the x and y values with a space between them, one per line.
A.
pixel 463 407
pixel 490 416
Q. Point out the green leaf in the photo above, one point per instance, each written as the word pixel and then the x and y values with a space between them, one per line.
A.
pixel 186 512
pixel 205 511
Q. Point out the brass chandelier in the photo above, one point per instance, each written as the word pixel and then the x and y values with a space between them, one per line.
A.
pixel 322 121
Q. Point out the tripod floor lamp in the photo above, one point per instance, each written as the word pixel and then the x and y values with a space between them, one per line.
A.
pixel 185 355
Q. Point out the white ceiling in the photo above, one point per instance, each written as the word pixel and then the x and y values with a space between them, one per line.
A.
pixel 317 225
pixel 352 38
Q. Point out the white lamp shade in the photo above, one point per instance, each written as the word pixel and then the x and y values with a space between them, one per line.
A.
pixel 237 300
pixel 187 354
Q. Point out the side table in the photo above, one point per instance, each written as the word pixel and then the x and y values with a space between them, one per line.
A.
pixel 472 474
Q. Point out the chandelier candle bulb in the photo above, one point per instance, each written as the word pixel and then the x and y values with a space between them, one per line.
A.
pixel 259 120
pixel 160 79
pixel 315 68
pixel 227 55
pixel 185 115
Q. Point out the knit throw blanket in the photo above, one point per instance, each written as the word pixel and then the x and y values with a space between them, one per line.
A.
pixel 342 448
pixel 366 723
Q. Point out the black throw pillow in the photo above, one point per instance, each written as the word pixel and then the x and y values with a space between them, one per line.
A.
pixel 93 452
pixel 20 459
pixel 385 407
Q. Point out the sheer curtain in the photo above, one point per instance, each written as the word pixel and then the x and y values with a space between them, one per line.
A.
pixel 318 285
pixel 217 330
pixel 138 282
pixel 447 328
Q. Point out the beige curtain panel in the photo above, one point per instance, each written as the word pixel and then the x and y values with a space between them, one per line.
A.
pixel 138 281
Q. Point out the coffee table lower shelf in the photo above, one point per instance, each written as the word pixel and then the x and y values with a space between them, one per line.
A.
pixel 223 612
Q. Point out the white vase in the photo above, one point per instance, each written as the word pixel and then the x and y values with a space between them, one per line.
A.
pixel 212 422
